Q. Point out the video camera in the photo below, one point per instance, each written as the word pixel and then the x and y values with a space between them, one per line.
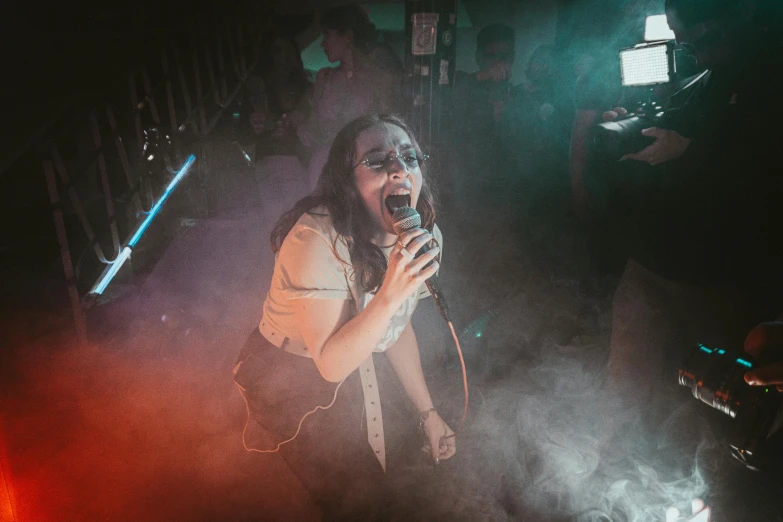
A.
pixel 715 377
pixel 642 66
pixel 624 135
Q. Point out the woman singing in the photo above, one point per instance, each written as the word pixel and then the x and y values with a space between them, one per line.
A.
pixel 336 323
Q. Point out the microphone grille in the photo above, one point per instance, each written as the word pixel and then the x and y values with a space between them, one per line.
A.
pixel 405 218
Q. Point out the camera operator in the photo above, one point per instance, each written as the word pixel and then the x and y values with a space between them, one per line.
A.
pixel 702 204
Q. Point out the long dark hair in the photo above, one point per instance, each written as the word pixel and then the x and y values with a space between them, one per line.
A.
pixel 337 191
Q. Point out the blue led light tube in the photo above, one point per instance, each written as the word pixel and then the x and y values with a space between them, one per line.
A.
pixel 115 266
pixel 156 208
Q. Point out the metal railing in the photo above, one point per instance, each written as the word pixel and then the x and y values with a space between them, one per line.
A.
pixel 191 87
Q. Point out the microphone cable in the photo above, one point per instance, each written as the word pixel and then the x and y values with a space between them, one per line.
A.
pixel 464 379
pixel 407 218
pixel 298 428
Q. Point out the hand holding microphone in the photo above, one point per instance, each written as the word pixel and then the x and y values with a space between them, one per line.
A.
pixel 407 223
pixel 407 270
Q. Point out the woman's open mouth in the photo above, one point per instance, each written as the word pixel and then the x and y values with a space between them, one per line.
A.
pixel 396 201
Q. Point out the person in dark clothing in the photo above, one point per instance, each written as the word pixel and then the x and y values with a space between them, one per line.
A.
pixel 598 83
pixel 536 132
pixel 599 86
pixel 278 99
pixel 546 104
pixel 482 171
pixel 702 206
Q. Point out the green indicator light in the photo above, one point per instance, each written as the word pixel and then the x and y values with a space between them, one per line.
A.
pixel 743 362
pixel 704 348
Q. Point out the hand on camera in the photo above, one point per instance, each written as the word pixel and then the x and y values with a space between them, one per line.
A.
pixel 406 273
pixel 763 337
pixel 614 114
pixel 668 145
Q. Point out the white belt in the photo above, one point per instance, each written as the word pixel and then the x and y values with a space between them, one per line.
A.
pixel 372 408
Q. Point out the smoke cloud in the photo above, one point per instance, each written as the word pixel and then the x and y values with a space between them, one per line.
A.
pixel 146 423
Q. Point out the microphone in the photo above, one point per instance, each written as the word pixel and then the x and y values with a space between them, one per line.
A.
pixel 406 218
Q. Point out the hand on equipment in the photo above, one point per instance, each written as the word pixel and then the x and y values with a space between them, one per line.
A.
pixel 614 114
pixel 763 337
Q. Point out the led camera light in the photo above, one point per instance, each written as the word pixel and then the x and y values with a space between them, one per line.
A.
pixel 647 64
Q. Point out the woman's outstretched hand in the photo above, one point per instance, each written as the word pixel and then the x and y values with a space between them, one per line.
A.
pixel 406 273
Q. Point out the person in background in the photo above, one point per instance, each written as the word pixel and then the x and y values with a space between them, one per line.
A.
pixel 536 132
pixel 279 98
pixel 480 181
pixel 598 81
pixel 336 328
pixel 278 102
pixel 598 87
pixel 482 172
pixel 367 80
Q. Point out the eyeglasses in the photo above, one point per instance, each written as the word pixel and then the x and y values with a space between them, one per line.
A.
pixel 380 161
